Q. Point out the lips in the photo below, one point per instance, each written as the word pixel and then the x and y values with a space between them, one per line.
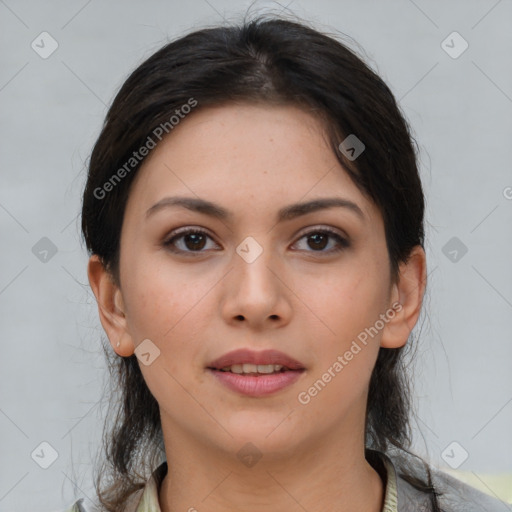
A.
pixel 264 357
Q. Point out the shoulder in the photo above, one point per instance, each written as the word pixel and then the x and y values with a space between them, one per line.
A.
pixel 458 495
pixel 453 494
pixel 144 499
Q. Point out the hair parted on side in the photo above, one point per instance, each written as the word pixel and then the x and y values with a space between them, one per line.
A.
pixel 275 61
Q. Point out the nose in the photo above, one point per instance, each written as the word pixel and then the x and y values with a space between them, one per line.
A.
pixel 255 293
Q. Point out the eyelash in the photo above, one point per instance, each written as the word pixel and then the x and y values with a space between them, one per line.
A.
pixel 343 243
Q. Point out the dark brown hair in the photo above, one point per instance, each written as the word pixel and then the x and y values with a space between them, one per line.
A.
pixel 271 60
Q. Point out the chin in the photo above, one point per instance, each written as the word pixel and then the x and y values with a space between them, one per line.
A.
pixel 269 434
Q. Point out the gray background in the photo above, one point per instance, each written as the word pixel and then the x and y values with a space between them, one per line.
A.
pixel 52 368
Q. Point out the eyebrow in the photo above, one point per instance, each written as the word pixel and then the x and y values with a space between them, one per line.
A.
pixel 289 212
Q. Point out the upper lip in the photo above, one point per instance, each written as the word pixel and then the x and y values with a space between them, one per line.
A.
pixel 246 355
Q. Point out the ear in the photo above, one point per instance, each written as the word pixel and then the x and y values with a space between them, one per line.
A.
pixel 110 307
pixel 406 299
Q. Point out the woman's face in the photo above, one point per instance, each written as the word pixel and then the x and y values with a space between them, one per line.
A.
pixel 253 280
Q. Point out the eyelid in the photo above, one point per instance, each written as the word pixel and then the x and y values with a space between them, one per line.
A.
pixel 319 227
pixel 304 231
pixel 342 238
pixel 344 241
pixel 185 230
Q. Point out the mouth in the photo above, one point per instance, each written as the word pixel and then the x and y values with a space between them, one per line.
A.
pixel 256 374
pixel 246 361
pixel 255 369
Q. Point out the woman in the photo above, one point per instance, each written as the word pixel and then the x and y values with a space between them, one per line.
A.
pixel 254 216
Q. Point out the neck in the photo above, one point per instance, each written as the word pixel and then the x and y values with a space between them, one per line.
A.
pixel 323 476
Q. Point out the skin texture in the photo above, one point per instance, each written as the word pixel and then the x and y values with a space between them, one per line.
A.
pixel 298 297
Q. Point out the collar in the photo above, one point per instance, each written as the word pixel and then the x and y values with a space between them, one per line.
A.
pixel 148 500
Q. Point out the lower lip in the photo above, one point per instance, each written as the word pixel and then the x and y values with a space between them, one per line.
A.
pixel 260 385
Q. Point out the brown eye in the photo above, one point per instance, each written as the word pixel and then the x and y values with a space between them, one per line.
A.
pixel 188 241
pixel 194 241
pixel 319 239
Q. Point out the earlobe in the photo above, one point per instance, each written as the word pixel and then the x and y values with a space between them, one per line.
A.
pixel 110 307
pixel 407 293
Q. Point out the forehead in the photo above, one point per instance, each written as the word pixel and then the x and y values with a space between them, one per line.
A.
pixel 273 136
pixel 265 154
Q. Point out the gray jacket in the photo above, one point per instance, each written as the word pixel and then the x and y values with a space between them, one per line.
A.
pixel 453 495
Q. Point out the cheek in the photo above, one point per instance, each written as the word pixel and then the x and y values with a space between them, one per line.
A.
pixel 174 310
pixel 345 353
pixel 347 302
pixel 160 301
pixel 343 302
pixel 168 309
